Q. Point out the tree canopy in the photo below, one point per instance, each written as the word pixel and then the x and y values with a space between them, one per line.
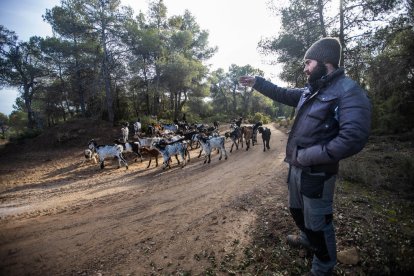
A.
pixel 102 62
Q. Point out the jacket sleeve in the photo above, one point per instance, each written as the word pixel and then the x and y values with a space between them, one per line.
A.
pixel 286 96
pixel 354 118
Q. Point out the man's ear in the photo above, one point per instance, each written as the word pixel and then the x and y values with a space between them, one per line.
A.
pixel 330 67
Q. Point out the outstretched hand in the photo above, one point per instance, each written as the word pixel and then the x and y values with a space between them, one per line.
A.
pixel 247 80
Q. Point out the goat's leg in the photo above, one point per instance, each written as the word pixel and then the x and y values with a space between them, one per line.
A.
pixel 136 156
pixel 149 163
pixel 166 163
pixel 122 159
pixel 199 155
pixel 187 153
pixel 102 164
pixel 207 157
pixel 225 152
pixel 184 160
pixel 176 157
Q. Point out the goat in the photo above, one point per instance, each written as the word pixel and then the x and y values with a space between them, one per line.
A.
pixel 235 136
pixel 171 127
pixel 239 138
pixel 265 136
pixel 153 130
pixel 152 153
pixel 255 126
pixel 133 147
pixel 247 133
pixel 182 126
pixel 174 148
pixel 90 156
pixel 188 136
pixel 105 151
pixel 237 121
pixel 148 141
pixel 210 143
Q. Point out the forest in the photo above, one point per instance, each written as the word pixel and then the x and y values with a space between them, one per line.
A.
pixel 105 64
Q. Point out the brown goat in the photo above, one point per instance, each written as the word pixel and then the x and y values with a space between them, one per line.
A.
pixel 247 133
pixel 151 153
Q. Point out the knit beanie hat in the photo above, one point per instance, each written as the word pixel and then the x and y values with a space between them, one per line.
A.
pixel 326 49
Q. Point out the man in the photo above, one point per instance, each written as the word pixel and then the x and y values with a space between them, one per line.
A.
pixel 332 122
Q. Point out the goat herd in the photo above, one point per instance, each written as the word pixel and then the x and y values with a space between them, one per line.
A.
pixel 176 140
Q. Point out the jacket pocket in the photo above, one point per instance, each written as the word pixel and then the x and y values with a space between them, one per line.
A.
pixel 312 184
pixel 323 107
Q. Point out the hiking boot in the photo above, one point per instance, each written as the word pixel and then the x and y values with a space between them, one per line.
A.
pixel 298 241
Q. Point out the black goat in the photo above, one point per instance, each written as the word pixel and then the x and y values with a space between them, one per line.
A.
pixel 265 136
pixel 235 136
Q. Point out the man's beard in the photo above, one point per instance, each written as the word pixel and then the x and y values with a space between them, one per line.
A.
pixel 318 72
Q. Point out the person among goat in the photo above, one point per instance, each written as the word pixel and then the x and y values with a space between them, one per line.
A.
pixel 125 133
pixel 332 122
pixel 137 127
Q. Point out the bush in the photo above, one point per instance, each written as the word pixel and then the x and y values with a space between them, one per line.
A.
pixel 27 134
pixel 384 162
pixel 260 117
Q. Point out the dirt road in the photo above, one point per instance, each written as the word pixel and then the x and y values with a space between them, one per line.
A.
pixel 59 218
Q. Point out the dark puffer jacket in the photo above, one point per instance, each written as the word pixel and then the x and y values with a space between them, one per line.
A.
pixel 332 123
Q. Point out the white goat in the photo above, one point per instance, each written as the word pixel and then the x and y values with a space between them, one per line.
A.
pixel 210 143
pixel 170 149
pixel 107 151
pixel 148 141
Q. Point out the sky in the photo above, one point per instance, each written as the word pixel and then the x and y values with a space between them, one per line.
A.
pixel 234 26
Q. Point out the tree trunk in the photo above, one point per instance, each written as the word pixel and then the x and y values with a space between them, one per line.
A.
pixel 147 96
pixel 180 108
pixel 321 18
pixel 226 104
pixel 78 80
pixel 341 31
pixel 234 99
pixel 105 73
pixel 28 104
pixel 156 92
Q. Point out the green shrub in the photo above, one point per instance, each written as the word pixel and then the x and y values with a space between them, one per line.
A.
pixel 260 117
pixel 27 134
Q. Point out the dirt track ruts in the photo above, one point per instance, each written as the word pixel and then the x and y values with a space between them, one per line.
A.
pixel 68 219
